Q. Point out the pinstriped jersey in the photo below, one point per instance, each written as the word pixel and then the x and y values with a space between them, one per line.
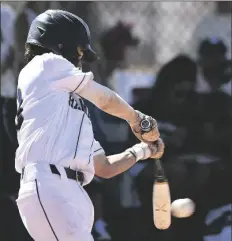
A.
pixel 53 124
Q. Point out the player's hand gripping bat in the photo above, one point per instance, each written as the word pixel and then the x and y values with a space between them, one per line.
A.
pixel 161 199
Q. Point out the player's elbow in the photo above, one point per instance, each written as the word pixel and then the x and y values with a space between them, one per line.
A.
pixel 99 95
pixel 102 167
pixel 106 173
pixel 105 100
pixel 103 103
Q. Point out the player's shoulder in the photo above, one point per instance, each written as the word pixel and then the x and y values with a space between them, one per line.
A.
pixel 51 60
pixel 54 58
pixel 47 66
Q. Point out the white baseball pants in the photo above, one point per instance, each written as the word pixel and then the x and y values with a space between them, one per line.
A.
pixel 53 207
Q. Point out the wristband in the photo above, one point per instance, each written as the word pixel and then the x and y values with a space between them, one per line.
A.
pixel 133 154
pixel 139 151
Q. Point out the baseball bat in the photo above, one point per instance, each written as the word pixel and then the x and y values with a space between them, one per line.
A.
pixel 161 199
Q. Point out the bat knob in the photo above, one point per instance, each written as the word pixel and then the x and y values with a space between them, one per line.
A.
pixel 145 125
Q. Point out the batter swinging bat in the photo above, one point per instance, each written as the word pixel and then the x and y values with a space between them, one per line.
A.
pixel 161 199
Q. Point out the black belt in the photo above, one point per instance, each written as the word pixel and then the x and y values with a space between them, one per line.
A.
pixel 71 174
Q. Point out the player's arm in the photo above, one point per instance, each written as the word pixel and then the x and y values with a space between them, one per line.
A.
pixel 105 99
pixel 111 103
pixel 110 166
pixel 101 96
pixel 108 101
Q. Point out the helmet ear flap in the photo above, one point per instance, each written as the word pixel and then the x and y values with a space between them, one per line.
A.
pixel 70 53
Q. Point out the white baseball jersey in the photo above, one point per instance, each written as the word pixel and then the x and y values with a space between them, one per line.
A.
pixel 52 121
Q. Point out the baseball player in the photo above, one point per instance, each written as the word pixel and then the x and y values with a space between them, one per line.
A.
pixel 57 152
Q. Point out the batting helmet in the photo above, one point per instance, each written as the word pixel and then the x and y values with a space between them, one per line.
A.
pixel 61 32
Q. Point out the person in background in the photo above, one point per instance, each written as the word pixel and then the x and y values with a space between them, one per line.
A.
pixel 174 89
pixel 114 43
pixel 214 125
pixel 214 94
pixel 173 102
pixel 214 68
pixel 196 128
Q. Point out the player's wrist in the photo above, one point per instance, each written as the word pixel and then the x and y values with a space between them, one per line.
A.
pixel 134 118
pixel 131 154
pixel 140 151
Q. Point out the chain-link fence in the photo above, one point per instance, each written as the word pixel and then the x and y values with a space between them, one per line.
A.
pixel 164 28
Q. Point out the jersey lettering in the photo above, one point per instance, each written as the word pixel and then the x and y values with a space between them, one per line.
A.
pixel 78 103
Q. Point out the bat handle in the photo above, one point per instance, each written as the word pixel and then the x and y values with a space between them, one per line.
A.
pixel 158 164
pixel 146 126
pixel 159 171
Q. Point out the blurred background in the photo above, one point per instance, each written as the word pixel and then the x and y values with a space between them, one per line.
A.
pixel 170 60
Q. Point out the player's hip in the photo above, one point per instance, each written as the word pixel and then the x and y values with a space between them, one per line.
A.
pixel 49 215
pixel 53 188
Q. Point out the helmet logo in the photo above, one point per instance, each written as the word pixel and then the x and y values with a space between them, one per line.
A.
pixel 42 31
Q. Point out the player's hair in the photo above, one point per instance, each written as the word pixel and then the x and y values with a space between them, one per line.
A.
pixel 32 50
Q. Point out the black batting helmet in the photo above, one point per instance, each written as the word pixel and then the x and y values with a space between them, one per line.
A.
pixel 61 32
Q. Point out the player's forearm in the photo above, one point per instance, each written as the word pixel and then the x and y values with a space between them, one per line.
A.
pixel 111 166
pixel 108 101
pixel 114 165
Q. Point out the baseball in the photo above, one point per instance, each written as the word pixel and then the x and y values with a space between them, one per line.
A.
pixel 182 208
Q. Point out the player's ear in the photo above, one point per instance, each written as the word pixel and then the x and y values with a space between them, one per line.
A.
pixel 80 52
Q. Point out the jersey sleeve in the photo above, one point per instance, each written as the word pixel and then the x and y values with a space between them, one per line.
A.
pixel 63 75
pixel 97 149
